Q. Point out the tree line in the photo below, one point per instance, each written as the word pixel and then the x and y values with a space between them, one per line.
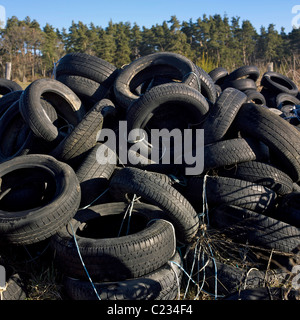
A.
pixel 210 41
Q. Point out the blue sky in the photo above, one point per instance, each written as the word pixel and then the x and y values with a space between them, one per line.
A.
pixel 147 13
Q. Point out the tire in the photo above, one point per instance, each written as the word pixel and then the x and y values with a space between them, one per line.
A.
pixel 16 136
pixel 107 256
pixel 94 176
pixel 160 284
pixel 8 99
pixel 265 293
pixel 218 75
pixel 248 72
pixel 157 191
pixel 156 64
pixel 59 204
pixel 230 152
pixel 284 99
pixel 281 137
pixel 208 88
pixel 256 97
pixel 279 83
pixel 222 114
pixel 82 139
pixel 243 225
pixel 178 98
pixel 262 174
pixel 240 84
pixel 14 289
pixel 87 66
pixel 89 91
pixel 233 278
pixel 63 99
pixel 230 191
pixel 7 86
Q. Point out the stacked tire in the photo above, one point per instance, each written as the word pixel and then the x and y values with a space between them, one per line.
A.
pixel 115 228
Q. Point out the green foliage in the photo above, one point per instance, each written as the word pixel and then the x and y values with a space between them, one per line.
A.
pixel 209 42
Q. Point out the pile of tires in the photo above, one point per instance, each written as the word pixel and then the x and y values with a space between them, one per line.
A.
pixel 128 231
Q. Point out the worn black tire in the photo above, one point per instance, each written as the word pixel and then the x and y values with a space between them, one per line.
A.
pixel 240 84
pixel 93 175
pixel 281 137
pixel 87 66
pixel 243 225
pixel 14 289
pixel 260 173
pixel 249 72
pixel 8 99
pixel 278 83
pixel 82 139
pixel 232 278
pixel 230 152
pixel 179 66
pixel 59 205
pixel 160 284
pixel 7 86
pixel 107 256
pixel 180 98
pixel 219 75
pixel 283 99
pixel 62 98
pixel 89 91
pixel 222 114
pixel 254 96
pixel 152 188
pixel 230 191
pixel 208 88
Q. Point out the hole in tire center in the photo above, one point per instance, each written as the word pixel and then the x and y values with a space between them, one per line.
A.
pixel 25 189
pixel 96 228
pixel 281 82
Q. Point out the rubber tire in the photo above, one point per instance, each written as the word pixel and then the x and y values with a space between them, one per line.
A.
pixel 288 209
pixel 183 67
pixel 240 84
pixel 218 75
pixel 63 99
pixel 278 83
pixel 254 96
pixel 248 72
pixel 7 86
pixel 14 290
pixel 208 88
pixel 7 100
pixel 113 258
pixel 281 137
pixel 230 152
pixel 243 225
pixel 87 66
pixel 94 176
pixel 260 173
pixel 89 91
pixel 181 95
pixel 82 139
pixel 161 284
pixel 230 191
pixel 152 188
pixel 39 223
pixel 222 114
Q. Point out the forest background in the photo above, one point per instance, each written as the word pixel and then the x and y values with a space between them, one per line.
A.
pixel 210 42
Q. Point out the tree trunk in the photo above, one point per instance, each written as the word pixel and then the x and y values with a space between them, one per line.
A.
pixel 8 71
